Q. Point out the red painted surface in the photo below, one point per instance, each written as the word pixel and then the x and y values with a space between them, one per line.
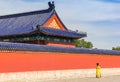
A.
pixel 60 44
pixel 54 16
pixel 31 61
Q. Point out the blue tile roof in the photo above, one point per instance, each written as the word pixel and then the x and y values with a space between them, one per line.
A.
pixel 36 47
pixel 63 33
pixel 23 22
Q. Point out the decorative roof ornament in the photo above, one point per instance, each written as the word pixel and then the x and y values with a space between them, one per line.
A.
pixel 51 5
pixel 38 27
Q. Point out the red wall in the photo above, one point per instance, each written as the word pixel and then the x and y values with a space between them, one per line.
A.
pixel 29 61
pixel 60 44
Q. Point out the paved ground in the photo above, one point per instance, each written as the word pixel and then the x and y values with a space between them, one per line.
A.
pixel 103 79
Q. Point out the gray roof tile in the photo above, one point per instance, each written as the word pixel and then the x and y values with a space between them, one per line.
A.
pixel 23 22
pixel 62 33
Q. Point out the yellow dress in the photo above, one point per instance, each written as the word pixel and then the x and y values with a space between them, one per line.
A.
pixel 98 72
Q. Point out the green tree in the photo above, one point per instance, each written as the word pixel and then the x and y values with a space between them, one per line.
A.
pixel 116 48
pixel 83 44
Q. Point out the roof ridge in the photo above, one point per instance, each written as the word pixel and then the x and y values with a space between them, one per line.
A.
pixel 25 13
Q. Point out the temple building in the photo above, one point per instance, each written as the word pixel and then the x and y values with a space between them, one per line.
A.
pixel 37 46
pixel 42 27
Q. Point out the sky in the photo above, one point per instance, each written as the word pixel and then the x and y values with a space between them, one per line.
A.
pixel 99 18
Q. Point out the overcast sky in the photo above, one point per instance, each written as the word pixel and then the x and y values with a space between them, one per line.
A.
pixel 99 18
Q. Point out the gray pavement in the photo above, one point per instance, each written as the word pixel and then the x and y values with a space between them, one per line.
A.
pixel 92 79
pixel 103 79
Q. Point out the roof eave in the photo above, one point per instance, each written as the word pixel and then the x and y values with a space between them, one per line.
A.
pixel 75 37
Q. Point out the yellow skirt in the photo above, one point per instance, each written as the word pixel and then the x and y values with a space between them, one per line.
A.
pixel 98 72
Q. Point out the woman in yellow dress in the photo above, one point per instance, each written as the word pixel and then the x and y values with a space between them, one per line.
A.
pixel 98 71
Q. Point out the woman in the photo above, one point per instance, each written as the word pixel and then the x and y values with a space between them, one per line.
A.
pixel 98 71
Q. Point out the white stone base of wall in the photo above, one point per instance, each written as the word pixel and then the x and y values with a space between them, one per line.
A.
pixel 55 75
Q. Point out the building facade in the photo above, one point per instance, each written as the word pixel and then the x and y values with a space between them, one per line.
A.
pixel 38 27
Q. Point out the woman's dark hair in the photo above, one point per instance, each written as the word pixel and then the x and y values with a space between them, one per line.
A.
pixel 97 64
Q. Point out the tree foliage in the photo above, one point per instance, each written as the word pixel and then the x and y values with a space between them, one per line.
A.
pixel 83 44
pixel 116 48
